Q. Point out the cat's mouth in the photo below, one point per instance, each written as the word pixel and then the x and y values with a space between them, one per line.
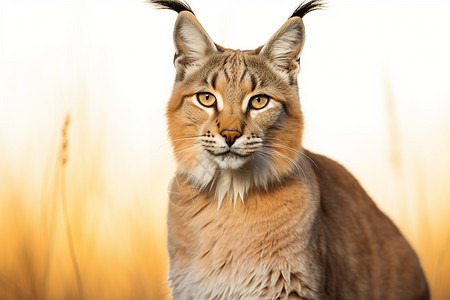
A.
pixel 229 159
pixel 228 153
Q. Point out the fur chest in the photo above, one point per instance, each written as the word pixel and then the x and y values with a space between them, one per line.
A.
pixel 251 250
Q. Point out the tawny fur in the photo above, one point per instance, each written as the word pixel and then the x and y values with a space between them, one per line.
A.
pixel 252 215
pixel 320 238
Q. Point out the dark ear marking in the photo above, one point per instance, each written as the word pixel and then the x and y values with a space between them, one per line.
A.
pixel 175 5
pixel 307 7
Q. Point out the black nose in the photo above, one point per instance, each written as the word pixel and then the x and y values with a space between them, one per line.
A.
pixel 230 135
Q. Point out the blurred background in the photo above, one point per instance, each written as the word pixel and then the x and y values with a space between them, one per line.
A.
pixel 84 158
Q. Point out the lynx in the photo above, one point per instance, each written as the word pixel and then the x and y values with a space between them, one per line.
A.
pixel 252 214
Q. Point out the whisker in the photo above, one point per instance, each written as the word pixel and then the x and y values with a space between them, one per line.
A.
pixel 310 160
pixel 298 153
pixel 185 138
pixel 272 138
pixel 188 149
pixel 292 150
pixel 279 155
pixel 186 146
pixel 245 148
pixel 179 139
pixel 252 143
pixel 290 160
pixel 213 147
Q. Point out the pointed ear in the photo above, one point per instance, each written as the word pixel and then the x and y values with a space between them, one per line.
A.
pixel 192 42
pixel 284 47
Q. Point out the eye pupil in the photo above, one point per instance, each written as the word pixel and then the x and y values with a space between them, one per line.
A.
pixel 206 99
pixel 259 101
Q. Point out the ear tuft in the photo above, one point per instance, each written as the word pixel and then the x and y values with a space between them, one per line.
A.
pixel 175 5
pixel 307 7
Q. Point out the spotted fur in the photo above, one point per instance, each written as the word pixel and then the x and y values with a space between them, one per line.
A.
pixel 252 214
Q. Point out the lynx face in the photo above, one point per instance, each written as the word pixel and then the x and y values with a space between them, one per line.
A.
pixel 234 116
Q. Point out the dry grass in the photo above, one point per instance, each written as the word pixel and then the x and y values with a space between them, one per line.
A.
pixel 73 246
pixel 415 207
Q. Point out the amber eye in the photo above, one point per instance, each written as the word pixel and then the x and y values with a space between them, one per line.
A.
pixel 258 101
pixel 206 99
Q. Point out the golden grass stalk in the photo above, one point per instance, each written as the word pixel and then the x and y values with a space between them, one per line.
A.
pixel 64 158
